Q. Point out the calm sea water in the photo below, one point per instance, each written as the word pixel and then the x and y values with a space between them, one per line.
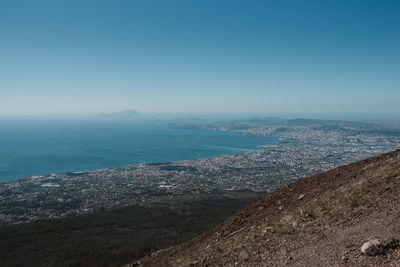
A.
pixel 34 147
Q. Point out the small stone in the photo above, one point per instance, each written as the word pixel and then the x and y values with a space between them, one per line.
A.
pixel 243 255
pixel 305 213
pixel 301 196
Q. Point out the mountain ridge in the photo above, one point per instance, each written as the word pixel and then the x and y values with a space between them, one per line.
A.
pixel 322 220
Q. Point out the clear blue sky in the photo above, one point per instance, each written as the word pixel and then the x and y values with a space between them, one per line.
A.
pixel 77 56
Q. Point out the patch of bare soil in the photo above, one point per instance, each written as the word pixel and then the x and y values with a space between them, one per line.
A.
pixel 322 220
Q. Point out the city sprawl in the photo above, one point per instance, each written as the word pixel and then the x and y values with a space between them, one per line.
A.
pixel 307 147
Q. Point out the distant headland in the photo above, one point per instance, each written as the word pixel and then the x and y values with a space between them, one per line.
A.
pixel 125 114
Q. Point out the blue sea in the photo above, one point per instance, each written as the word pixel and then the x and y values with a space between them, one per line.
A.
pixel 35 147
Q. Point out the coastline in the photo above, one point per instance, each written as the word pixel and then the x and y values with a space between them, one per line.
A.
pixel 59 148
pixel 304 151
pixel 239 151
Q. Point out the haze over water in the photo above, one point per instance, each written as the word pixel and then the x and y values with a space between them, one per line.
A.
pixel 35 147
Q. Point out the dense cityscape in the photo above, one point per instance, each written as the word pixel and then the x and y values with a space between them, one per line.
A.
pixel 307 147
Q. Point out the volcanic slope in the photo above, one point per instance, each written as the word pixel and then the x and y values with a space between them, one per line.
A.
pixel 322 220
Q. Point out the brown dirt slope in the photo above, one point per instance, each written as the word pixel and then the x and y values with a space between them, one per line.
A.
pixel 321 220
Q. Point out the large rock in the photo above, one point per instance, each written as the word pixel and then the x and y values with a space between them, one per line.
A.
pixel 375 247
pixel 372 247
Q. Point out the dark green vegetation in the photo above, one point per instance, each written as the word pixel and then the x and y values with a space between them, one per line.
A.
pixel 116 237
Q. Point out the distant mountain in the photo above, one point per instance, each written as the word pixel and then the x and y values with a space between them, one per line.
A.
pixel 348 216
pixel 126 114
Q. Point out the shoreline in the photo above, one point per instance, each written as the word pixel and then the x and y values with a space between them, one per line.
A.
pixel 304 151
pixel 81 171
pixel 111 156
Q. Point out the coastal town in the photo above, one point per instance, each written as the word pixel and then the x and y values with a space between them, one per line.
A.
pixel 306 147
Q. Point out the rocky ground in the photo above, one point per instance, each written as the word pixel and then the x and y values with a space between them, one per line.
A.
pixel 322 220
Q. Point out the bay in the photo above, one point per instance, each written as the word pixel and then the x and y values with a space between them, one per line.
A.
pixel 36 147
